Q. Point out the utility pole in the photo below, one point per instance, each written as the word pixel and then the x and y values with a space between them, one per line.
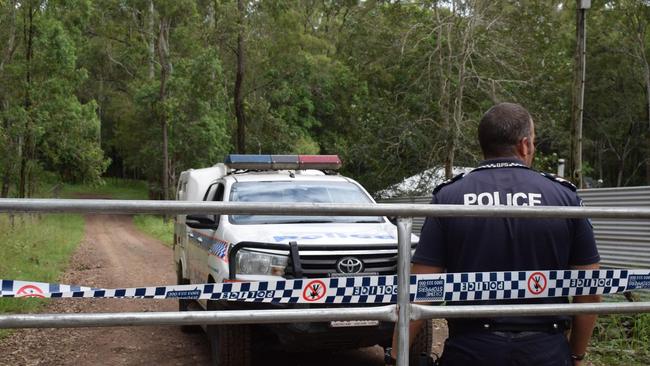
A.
pixel 578 91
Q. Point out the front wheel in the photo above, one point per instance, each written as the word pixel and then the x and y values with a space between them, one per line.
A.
pixel 230 345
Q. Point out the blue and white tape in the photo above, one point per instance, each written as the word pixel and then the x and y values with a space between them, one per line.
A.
pixel 368 289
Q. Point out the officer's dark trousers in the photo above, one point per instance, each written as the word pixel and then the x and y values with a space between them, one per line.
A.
pixel 506 349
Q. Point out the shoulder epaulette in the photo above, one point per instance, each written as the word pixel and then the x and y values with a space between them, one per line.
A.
pixel 448 182
pixel 562 181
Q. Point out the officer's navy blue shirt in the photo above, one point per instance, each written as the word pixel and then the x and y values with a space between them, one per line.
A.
pixel 506 244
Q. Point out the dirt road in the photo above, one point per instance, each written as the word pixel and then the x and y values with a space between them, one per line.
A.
pixel 115 254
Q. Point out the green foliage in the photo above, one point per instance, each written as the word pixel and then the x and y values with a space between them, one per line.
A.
pixel 46 125
pixel 115 188
pixel 392 87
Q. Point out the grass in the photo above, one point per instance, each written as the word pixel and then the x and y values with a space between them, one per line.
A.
pixel 621 339
pixel 36 248
pixel 156 227
pixel 39 247
pixel 123 189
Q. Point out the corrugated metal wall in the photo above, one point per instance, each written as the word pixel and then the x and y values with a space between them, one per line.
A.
pixel 622 243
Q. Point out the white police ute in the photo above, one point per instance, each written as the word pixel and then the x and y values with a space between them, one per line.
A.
pixel 222 248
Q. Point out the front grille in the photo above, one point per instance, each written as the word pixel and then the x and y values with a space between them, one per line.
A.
pixel 320 263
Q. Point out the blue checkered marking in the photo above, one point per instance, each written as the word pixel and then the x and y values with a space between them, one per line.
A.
pixel 452 287
pixel 7 285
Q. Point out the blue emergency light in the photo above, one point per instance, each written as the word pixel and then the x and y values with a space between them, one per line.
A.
pixel 283 162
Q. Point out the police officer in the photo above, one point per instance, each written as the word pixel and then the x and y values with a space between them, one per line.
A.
pixel 507 138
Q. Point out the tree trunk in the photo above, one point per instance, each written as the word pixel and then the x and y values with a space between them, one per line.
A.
pixel 239 80
pixel 26 150
pixel 7 55
pixel 165 71
pixel 619 176
pixel 11 39
pixel 444 101
pixel 460 94
pixel 578 99
pixel 9 163
pixel 151 40
pixel 646 72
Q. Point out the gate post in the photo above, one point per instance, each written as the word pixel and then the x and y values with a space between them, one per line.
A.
pixel 404 225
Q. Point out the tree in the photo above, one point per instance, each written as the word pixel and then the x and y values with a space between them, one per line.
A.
pixel 46 126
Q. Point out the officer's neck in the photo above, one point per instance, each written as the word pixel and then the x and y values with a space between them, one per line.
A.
pixel 504 159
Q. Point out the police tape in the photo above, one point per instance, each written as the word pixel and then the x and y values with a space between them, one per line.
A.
pixel 368 289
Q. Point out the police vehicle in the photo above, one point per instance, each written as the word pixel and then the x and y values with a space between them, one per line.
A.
pixel 222 248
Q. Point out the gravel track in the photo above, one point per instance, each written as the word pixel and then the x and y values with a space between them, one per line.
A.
pixel 112 254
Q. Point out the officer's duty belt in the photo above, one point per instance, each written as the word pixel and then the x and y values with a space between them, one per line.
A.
pixel 458 328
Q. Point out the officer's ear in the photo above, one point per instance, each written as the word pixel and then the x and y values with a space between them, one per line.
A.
pixel 525 149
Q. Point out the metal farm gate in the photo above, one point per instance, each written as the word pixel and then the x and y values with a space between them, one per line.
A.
pixel 400 312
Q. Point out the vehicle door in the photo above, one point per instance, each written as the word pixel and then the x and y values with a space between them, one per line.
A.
pixel 217 259
pixel 201 238
pixel 214 250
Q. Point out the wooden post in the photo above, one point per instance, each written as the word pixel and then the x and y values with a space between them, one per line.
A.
pixel 578 92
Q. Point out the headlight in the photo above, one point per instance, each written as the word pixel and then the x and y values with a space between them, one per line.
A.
pixel 256 263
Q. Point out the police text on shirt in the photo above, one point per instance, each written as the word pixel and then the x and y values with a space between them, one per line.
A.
pixel 500 198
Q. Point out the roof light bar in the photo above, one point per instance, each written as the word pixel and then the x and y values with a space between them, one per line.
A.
pixel 283 162
pixel 331 162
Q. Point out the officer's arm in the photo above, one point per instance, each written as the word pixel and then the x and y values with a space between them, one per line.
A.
pixel 416 325
pixel 583 325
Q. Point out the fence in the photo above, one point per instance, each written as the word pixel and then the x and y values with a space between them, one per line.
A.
pixel 402 312
pixel 621 243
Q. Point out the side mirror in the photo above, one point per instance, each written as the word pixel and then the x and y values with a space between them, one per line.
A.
pixel 201 221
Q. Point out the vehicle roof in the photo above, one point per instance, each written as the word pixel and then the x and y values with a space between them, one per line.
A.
pixel 198 180
pixel 283 175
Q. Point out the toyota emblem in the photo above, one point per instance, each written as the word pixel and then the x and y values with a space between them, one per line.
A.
pixel 349 265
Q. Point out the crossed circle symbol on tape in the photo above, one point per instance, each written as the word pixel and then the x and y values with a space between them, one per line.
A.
pixel 30 291
pixel 314 291
pixel 537 283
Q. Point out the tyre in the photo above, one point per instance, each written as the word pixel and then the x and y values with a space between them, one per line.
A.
pixel 184 304
pixel 422 344
pixel 230 345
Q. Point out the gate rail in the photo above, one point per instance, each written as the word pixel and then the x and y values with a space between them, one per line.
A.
pixel 402 312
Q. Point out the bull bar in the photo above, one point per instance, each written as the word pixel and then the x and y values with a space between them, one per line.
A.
pixel 401 313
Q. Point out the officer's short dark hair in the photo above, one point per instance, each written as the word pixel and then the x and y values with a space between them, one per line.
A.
pixel 501 128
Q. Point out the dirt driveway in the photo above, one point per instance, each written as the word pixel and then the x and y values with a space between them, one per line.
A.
pixel 115 254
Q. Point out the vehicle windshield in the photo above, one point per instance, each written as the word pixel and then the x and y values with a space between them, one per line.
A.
pixel 299 192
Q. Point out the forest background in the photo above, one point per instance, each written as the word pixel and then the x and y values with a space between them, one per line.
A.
pixel 145 89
